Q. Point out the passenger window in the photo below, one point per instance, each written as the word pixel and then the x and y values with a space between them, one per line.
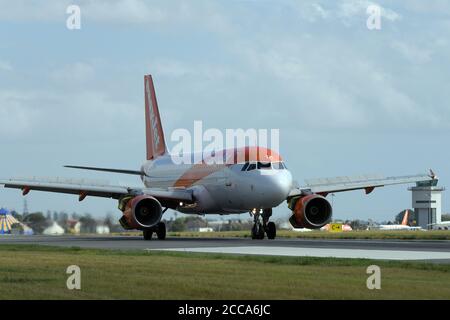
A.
pixel 245 166
pixel 266 165
pixel 251 166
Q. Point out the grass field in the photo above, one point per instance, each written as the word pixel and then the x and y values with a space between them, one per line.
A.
pixel 39 272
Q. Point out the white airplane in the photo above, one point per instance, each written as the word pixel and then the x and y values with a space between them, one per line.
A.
pixel 444 225
pixel 403 226
pixel 230 188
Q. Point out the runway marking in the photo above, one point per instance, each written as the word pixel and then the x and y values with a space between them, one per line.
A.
pixel 319 252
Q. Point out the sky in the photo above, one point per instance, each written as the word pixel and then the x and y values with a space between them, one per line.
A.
pixel 347 100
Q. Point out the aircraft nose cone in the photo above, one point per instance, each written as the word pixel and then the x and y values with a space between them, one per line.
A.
pixel 278 186
pixel 284 183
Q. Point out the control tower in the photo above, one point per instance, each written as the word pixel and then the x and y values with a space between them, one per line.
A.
pixel 427 202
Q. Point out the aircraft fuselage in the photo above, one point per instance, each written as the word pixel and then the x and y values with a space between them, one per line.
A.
pixel 222 188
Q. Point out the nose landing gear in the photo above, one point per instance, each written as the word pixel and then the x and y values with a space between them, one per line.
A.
pixel 260 229
pixel 160 230
pixel 257 230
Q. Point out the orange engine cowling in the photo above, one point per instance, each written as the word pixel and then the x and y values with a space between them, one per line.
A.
pixel 141 212
pixel 311 211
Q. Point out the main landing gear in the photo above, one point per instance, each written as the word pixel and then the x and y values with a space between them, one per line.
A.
pixel 260 229
pixel 160 230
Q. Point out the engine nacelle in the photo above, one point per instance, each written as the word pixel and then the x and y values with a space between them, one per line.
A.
pixel 141 212
pixel 311 211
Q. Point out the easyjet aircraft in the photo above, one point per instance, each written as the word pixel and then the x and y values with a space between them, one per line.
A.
pixel 403 226
pixel 241 184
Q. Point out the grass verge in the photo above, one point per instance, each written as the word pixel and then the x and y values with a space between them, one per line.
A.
pixel 39 272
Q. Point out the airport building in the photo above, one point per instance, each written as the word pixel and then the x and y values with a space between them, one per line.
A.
pixel 427 203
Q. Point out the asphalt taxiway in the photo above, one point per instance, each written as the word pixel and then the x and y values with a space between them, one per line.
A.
pixel 430 250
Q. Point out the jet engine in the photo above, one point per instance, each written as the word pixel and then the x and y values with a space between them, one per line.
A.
pixel 140 212
pixel 311 211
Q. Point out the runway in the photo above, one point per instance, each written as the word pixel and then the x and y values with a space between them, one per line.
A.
pixel 433 251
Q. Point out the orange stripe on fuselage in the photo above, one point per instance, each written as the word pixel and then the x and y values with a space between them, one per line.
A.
pixel 201 170
pixel 198 172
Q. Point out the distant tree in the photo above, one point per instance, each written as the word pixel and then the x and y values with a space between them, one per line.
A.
pixel 178 225
pixel 112 223
pixel 109 221
pixel 236 225
pixel 62 220
pixel 446 217
pixel 16 228
pixel 55 216
pixel 355 224
pixel 75 216
pixel 36 221
pixel 16 215
pixel 194 222
pixel 88 224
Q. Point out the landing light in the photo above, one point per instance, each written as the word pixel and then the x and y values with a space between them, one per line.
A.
pixel 181 204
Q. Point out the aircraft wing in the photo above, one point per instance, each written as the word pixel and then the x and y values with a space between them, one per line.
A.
pixel 367 182
pixel 84 188
pixel 442 223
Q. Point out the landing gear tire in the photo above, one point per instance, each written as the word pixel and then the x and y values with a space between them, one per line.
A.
pixel 161 231
pixel 271 230
pixel 257 231
pixel 148 234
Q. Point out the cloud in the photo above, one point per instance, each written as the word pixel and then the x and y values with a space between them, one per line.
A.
pixel 14 119
pixel 169 14
pixel 308 11
pixel 5 66
pixel 123 11
pixel 323 90
pixel 413 53
pixel 357 8
pixel 308 69
pixel 320 10
pixel 434 7
pixel 64 115
pixel 75 72
pixel 114 11
pixel 173 68
pixel 33 10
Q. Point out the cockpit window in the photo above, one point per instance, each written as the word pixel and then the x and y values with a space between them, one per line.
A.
pixel 278 165
pixel 264 165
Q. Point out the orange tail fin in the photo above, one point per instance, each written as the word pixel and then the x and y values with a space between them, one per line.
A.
pixel 405 218
pixel 156 144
